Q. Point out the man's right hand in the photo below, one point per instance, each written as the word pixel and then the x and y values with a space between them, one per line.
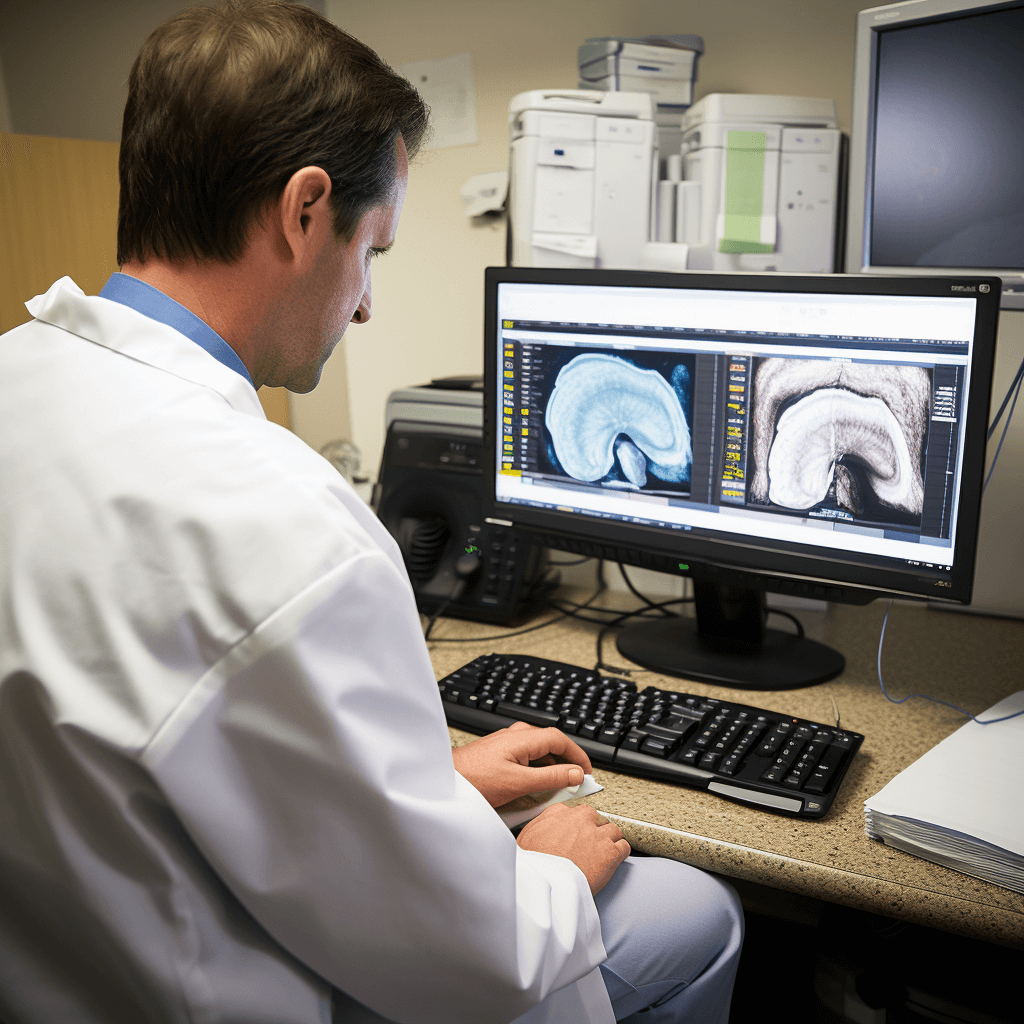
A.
pixel 594 844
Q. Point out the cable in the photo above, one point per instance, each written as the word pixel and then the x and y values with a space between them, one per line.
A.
pixel 442 607
pixel 502 636
pixel 465 569
pixel 924 696
pixel 1018 377
pixel 1018 380
pixel 618 622
pixel 573 606
pixel 792 618
pixel 497 636
pixel 636 593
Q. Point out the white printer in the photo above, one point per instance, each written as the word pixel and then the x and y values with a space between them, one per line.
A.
pixel 760 187
pixel 664 66
pixel 581 177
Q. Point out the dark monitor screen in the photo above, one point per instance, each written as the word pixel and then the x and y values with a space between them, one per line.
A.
pixel 948 138
pixel 935 181
pixel 813 435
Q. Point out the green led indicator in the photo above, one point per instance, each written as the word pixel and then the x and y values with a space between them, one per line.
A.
pixel 683 566
pixel 471 549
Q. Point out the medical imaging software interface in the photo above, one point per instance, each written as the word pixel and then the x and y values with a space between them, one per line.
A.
pixel 803 420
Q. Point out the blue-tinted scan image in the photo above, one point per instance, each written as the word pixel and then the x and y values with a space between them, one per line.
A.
pixel 620 421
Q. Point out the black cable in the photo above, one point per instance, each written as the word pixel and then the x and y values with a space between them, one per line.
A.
pixel 629 583
pixel 792 618
pixel 999 415
pixel 575 561
pixel 497 636
pixel 465 568
pixel 618 622
pixel 430 625
pixel 502 636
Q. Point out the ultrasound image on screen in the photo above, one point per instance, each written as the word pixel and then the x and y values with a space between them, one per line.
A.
pixel 948 189
pixel 849 437
pixel 621 422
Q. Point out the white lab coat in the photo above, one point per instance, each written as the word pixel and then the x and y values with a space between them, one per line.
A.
pixel 225 777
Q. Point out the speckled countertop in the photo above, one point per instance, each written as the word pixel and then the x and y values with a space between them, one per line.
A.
pixel 968 660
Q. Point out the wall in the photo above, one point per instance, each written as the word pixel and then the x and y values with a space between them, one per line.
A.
pixel 428 302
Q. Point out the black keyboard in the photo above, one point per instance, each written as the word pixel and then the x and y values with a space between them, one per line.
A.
pixel 739 752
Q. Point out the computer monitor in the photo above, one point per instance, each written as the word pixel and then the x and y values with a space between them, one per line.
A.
pixel 820 436
pixel 935 146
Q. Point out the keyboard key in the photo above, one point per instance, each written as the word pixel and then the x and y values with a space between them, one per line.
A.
pixel 656 747
pixel 774 739
pixel 532 715
pixel 669 732
pixel 633 739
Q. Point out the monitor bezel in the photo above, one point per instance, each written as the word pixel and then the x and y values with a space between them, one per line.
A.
pixel 730 560
pixel 871 24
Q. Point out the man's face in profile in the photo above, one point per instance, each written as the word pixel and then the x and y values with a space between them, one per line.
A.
pixel 337 291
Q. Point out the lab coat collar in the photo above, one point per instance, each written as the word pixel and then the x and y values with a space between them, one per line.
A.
pixel 125 330
pixel 152 302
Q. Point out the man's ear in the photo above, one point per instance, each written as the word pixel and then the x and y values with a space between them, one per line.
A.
pixel 302 209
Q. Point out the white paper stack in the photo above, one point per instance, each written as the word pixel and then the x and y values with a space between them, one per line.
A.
pixel 962 804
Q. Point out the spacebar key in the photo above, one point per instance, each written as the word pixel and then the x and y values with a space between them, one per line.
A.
pixel 532 715
pixel 660 768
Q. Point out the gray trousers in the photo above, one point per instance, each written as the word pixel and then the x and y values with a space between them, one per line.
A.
pixel 673 935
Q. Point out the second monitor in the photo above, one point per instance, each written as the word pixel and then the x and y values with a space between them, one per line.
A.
pixel 821 436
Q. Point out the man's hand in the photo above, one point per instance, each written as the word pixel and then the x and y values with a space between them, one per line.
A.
pixel 594 844
pixel 503 765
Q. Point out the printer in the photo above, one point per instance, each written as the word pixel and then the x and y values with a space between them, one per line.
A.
pixel 581 176
pixel 760 184
pixel 664 66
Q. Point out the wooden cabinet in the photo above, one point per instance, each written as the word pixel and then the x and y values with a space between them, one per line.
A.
pixel 58 216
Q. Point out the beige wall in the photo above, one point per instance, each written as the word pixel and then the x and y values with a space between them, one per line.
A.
pixel 428 308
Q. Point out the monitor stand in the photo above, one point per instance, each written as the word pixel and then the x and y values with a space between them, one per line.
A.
pixel 729 644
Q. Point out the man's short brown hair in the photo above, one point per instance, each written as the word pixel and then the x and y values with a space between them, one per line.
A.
pixel 226 104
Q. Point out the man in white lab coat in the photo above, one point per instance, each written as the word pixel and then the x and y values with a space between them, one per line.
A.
pixel 226 786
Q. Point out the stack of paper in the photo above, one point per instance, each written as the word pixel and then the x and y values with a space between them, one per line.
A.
pixel 962 804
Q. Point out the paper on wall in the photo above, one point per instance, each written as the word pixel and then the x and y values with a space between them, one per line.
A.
pixel 446 85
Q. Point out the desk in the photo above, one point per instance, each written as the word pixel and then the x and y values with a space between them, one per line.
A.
pixel 965 659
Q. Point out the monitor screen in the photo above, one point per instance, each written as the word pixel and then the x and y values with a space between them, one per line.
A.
pixel 936 184
pixel 813 435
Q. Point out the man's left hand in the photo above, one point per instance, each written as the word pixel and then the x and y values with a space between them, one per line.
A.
pixel 499 765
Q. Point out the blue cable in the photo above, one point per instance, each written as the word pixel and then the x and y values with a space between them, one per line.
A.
pixel 924 696
pixel 1014 390
pixel 1002 437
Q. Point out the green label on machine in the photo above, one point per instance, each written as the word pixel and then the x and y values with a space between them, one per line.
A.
pixel 744 193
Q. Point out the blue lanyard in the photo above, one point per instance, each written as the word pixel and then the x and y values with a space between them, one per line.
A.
pixel 152 302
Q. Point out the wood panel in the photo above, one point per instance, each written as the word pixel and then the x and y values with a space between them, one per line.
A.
pixel 58 216
pixel 275 405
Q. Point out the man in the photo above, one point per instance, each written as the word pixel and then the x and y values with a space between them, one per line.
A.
pixel 225 778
